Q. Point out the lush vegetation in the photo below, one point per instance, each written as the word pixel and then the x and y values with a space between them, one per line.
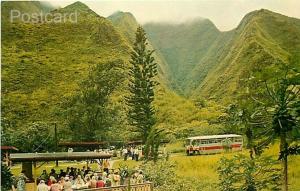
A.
pixel 77 76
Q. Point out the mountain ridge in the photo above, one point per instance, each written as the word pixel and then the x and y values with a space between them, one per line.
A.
pixel 255 29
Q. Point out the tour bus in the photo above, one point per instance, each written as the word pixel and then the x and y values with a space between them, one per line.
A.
pixel 213 144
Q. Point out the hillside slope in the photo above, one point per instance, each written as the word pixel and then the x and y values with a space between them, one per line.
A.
pixel 127 24
pixel 264 41
pixel 182 46
pixel 209 63
pixel 175 114
pixel 42 64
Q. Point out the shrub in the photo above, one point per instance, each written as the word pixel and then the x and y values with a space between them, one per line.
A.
pixel 6 178
pixel 243 173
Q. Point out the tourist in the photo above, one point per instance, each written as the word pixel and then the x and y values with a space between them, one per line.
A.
pixel 79 182
pixel 106 166
pixel 100 183
pixel 108 182
pixel 93 182
pixel 128 152
pixel 140 178
pixel 82 171
pixel 136 154
pixel 87 171
pixel 116 179
pixel 124 174
pixel 53 173
pixel 42 186
pixel 72 180
pixel 21 184
pixel 14 183
pixel 72 172
pixel 55 186
pixel 61 182
pixel 44 176
pixel 51 178
pixel 88 182
pixel 125 153
pixel 62 173
pixel 132 150
pixel 67 185
pixel 68 171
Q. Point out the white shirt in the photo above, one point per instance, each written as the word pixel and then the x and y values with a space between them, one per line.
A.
pixel 42 187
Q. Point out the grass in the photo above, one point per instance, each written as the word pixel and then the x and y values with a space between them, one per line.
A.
pixel 204 167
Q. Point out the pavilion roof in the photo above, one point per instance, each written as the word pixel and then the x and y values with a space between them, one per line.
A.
pixel 81 144
pixel 9 148
pixel 33 157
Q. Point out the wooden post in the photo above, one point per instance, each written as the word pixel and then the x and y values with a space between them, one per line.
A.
pixel 35 176
pixel 55 138
pixel 27 166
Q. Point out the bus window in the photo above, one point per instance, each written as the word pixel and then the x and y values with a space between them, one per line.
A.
pixel 238 140
pixel 204 142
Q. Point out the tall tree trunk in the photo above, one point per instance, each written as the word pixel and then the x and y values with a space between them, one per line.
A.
pixel 283 148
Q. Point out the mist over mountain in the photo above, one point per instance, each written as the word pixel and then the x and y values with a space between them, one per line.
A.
pixel 204 61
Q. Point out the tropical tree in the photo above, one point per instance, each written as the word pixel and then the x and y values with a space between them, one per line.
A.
pixel 275 115
pixel 35 137
pixel 89 113
pixel 142 72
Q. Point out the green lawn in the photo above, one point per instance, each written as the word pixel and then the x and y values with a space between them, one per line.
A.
pixel 204 167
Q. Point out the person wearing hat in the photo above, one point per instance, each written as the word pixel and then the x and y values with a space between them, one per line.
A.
pixel 42 186
pixel 67 184
pixel 116 178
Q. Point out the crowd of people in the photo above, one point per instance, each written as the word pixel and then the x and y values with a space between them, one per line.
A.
pixel 75 179
pixel 133 152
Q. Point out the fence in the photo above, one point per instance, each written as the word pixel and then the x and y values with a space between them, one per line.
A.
pixel 148 186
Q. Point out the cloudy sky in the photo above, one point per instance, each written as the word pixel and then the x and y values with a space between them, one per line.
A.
pixel 226 14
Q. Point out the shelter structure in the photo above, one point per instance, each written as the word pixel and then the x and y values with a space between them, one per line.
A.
pixel 5 153
pixel 29 159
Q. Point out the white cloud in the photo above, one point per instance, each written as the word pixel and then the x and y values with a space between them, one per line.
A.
pixel 226 14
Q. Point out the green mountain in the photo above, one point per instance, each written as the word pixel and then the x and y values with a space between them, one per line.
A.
pixel 264 41
pixel 182 46
pixel 43 63
pixel 25 7
pixel 127 24
pixel 209 63
pixel 175 113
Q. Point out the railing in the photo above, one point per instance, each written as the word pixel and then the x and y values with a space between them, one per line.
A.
pixel 148 186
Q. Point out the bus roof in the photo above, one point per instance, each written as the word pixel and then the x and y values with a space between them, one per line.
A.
pixel 214 136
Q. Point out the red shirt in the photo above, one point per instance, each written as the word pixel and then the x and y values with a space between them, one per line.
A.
pixel 100 184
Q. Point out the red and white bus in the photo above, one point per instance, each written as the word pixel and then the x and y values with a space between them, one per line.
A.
pixel 213 144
